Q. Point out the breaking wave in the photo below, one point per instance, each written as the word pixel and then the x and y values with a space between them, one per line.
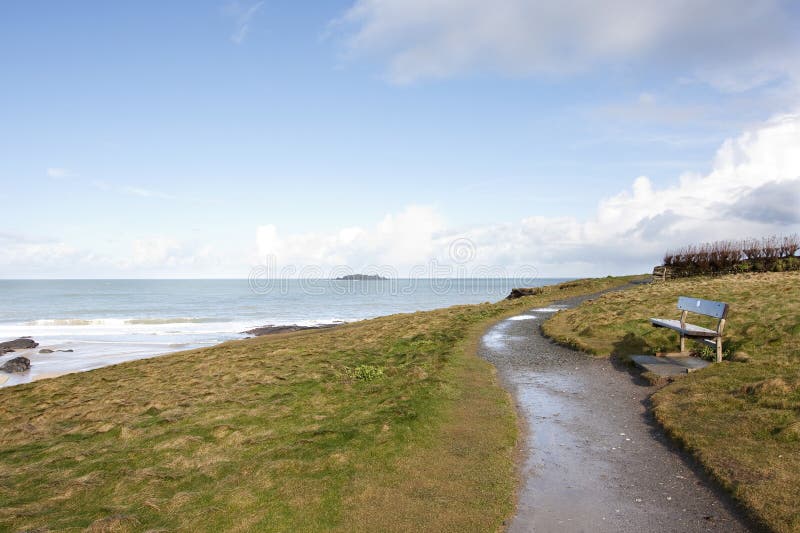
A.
pixel 121 321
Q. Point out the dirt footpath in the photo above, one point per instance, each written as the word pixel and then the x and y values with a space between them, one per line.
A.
pixel 592 459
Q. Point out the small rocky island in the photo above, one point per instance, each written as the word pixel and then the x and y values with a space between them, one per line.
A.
pixel 361 277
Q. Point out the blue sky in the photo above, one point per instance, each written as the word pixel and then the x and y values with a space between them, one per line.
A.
pixel 168 138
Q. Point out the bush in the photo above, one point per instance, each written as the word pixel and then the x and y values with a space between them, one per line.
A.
pixel 768 254
pixel 790 245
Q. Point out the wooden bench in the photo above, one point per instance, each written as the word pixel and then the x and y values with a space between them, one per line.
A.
pixel 708 337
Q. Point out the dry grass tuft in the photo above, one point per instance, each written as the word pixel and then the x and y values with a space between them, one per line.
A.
pixel 113 524
pixel 792 431
pixel 771 386
pixel 740 357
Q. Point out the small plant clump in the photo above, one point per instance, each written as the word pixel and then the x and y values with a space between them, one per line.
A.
pixel 364 372
pixel 769 254
pixel 710 354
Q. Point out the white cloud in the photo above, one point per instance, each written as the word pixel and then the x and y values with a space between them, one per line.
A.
pixel 732 44
pixel 400 240
pixel 163 255
pixel 628 232
pixel 59 173
pixel 26 256
pixel 155 251
pixel 29 256
pixel 242 15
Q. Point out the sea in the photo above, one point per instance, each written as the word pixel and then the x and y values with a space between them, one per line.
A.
pixel 105 322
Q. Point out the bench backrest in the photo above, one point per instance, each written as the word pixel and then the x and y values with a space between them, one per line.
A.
pixel 703 307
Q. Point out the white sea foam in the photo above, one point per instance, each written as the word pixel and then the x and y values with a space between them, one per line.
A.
pixel 119 321
pixel 75 327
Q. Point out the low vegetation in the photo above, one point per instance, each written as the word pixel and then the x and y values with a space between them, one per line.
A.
pixel 769 254
pixel 740 418
pixel 390 424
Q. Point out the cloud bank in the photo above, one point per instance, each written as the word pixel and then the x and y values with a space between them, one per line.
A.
pixel 27 256
pixel 733 45
pixel 753 189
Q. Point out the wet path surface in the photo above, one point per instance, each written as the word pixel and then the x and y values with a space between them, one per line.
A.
pixel 592 459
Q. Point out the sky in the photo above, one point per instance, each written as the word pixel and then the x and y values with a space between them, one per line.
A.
pixel 215 138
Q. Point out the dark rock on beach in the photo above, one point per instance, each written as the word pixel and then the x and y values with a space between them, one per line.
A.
pixel 519 293
pixel 271 330
pixel 48 350
pixel 23 343
pixel 18 364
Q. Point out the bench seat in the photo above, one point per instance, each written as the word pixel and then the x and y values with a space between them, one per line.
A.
pixel 690 330
pixel 699 334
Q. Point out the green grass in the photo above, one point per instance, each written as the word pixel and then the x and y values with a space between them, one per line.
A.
pixel 388 424
pixel 740 418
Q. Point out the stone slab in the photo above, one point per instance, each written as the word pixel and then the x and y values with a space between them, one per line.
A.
pixel 669 366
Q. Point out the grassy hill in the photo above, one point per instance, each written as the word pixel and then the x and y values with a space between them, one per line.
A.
pixel 388 424
pixel 740 418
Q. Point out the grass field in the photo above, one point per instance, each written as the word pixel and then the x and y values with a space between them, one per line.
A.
pixel 389 424
pixel 740 418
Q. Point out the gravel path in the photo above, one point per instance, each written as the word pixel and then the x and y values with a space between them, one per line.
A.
pixel 592 459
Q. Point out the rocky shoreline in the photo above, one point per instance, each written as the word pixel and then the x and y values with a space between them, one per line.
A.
pixel 22 343
pixel 21 364
pixel 272 330
pixel 525 291
pixel 17 364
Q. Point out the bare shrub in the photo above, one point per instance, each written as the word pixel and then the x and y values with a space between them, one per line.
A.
pixel 770 247
pixel 726 254
pixel 765 254
pixel 789 245
pixel 690 255
pixel 751 249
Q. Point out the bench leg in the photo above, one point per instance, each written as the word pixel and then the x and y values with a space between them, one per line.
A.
pixel 719 349
pixel 683 343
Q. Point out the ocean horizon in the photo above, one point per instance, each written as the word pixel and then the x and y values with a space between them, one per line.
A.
pixel 109 321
